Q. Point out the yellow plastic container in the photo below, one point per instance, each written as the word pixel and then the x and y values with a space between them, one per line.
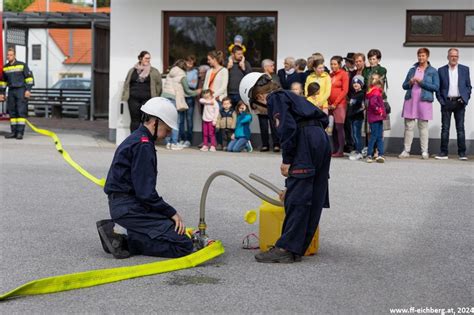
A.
pixel 271 223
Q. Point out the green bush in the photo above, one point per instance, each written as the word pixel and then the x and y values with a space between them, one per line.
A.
pixel 16 5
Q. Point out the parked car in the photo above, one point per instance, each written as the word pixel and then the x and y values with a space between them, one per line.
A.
pixel 74 90
pixel 73 83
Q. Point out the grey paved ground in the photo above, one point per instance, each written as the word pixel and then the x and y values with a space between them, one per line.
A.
pixel 397 235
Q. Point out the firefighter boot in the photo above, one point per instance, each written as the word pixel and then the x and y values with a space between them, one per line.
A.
pixel 20 130
pixel 11 135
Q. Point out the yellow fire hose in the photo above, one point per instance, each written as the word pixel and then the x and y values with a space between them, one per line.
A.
pixel 103 276
pixel 66 156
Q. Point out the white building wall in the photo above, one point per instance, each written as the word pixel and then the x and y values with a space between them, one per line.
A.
pixel 330 27
pixel 55 62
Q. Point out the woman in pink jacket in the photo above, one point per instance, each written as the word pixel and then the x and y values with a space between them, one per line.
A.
pixel 338 103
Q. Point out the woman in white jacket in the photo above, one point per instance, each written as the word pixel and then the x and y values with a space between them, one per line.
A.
pixel 216 80
pixel 175 88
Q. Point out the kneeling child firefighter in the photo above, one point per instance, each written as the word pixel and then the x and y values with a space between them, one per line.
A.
pixel 142 222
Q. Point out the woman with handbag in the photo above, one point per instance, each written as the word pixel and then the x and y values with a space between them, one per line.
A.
pixel 175 88
pixel 142 83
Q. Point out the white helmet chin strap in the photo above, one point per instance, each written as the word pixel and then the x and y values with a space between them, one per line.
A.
pixel 155 134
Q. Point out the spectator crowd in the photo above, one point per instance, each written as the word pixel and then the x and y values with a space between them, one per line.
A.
pixel 352 92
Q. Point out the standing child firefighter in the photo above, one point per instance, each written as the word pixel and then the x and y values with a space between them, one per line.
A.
pixel 306 153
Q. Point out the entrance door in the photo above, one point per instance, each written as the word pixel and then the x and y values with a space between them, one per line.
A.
pixel 100 71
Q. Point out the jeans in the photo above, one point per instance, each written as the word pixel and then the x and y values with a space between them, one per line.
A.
pixel 458 109
pixel 219 135
pixel 237 145
pixel 186 117
pixel 174 133
pixel 356 127
pixel 349 145
pixel 235 98
pixel 264 121
pixel 376 138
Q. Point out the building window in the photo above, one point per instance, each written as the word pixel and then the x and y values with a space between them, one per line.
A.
pixel 36 52
pixel 190 35
pixel 469 23
pixel 197 33
pixel 440 28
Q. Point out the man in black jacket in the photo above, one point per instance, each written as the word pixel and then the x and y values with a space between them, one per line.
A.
pixel 238 67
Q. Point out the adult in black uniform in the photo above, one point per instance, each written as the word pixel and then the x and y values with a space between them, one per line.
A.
pixel 306 153
pixel 142 222
pixel 19 80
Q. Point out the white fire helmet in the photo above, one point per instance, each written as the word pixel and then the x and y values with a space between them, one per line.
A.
pixel 246 85
pixel 162 108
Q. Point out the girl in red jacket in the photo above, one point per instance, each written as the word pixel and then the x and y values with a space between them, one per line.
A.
pixel 375 116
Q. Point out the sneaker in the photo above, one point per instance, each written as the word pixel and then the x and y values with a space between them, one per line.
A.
pixel 355 157
pixel 441 156
pixel 176 147
pixel 212 149
pixel 181 143
pixel 115 243
pixel 249 147
pixel 462 158
pixel 168 146
pixel 369 159
pixel 275 255
pixel 264 149
pixel 219 147
pixel 186 144
pixel 337 155
pixel 204 148
pixel 404 155
pixel 425 156
pixel 364 152
pixel 380 159
pixel 224 149
pixel 276 149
